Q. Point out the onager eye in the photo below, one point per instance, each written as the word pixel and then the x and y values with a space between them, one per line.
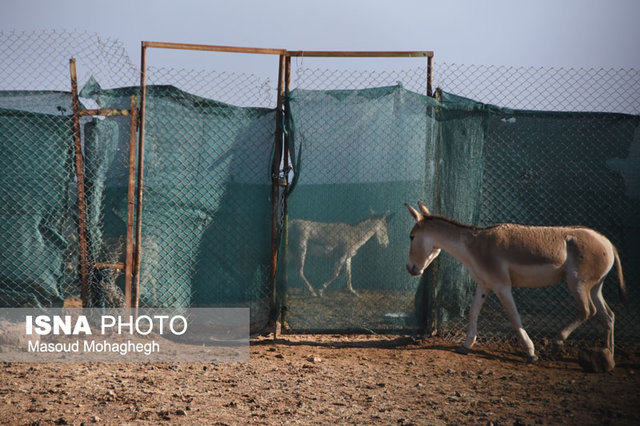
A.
pixel 411 237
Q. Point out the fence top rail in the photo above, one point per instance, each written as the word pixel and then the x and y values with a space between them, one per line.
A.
pixel 300 53
pixel 212 48
pixel 360 54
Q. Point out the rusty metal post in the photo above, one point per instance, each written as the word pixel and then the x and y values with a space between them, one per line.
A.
pixel 286 168
pixel 139 180
pixel 430 75
pixel 128 270
pixel 275 195
pixel 429 280
pixel 82 204
pixel 286 153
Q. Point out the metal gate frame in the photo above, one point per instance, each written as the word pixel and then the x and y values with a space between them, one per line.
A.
pixel 341 54
pixel 281 142
pixel 131 252
pixel 277 151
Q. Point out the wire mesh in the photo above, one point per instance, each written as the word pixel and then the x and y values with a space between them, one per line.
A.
pixel 557 166
pixel 39 60
pixel 358 154
pixel 207 207
pixel 544 169
pixel 238 89
pixel 35 189
pixel 40 239
pixel 543 89
pixel 106 164
pixel 207 176
pixel 571 169
pixel 207 186
pixel 413 79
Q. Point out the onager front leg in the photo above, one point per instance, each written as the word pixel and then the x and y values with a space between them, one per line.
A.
pixel 474 312
pixel 348 270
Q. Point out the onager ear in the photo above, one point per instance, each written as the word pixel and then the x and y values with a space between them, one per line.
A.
pixel 415 213
pixel 424 209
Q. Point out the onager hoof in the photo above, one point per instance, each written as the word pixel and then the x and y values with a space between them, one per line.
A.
pixel 531 359
pixel 463 350
pixel 596 360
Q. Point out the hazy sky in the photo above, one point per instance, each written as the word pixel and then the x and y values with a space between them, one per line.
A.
pixel 557 33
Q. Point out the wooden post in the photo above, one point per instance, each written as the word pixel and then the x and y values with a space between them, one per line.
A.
pixel 82 207
pixel 128 271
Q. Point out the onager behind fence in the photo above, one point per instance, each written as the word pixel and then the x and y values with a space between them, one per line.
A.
pixel 503 256
pixel 339 239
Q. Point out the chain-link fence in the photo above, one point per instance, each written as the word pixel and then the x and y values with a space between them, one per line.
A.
pixel 207 203
pixel 359 149
pixel 545 147
pixel 544 89
pixel 357 156
pixel 206 222
pixel 40 230
pixel 206 217
pixel 528 145
pixel 565 152
pixel 36 162
pixel 36 61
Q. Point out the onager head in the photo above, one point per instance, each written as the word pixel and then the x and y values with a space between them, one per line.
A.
pixel 380 226
pixel 422 250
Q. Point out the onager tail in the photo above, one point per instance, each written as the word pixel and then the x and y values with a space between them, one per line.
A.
pixel 621 286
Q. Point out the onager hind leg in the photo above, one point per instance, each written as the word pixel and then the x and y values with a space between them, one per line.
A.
pixel 586 309
pixel 302 254
pixel 509 305
pixel 336 273
pixel 604 313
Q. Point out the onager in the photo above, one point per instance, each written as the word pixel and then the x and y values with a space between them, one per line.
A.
pixel 503 256
pixel 339 239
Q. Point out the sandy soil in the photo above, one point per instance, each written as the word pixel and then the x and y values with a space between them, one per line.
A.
pixel 322 379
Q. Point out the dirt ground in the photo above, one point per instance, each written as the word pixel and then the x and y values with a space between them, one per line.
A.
pixel 324 379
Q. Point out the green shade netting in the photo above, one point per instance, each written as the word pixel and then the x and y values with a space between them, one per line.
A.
pixel 206 224
pixel 356 150
pixel 566 168
pixel 36 154
pixel 359 150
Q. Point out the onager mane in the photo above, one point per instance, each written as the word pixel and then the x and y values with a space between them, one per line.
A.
pixel 436 217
